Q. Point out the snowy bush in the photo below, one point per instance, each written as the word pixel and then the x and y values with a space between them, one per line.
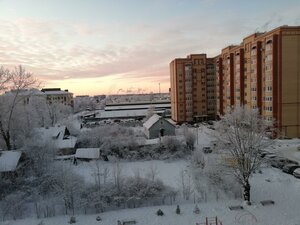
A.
pixel 72 219
pixel 198 159
pixel 159 212
pixel 196 209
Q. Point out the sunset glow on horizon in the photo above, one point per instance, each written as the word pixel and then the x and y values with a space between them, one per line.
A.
pixel 108 47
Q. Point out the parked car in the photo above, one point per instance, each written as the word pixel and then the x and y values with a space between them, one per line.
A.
pixel 210 122
pixel 280 162
pixel 264 154
pixel 289 168
pixel 296 173
pixel 298 148
pixel 207 149
pixel 270 155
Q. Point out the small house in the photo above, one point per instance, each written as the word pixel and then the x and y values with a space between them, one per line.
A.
pixel 157 126
pixel 9 162
pixel 59 137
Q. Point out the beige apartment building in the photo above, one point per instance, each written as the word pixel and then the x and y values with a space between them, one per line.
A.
pixel 193 88
pixel 263 73
pixel 56 95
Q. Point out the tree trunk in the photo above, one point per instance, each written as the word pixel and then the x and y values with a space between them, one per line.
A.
pixel 246 187
pixel 7 141
pixel 6 136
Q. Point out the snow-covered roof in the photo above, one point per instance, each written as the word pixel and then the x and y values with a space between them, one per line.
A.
pixel 171 122
pixel 57 93
pixel 123 113
pixel 69 142
pixel 88 153
pixel 56 132
pixel 151 121
pixel 57 136
pixel 9 160
pixel 145 106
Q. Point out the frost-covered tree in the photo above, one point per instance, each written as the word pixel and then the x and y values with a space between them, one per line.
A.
pixel 58 112
pixel 242 134
pixel 84 103
pixel 69 186
pixel 5 77
pixel 19 80
pixel 190 138
pixel 185 184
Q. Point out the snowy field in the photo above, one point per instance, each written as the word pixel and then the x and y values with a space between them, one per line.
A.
pixel 272 184
pixel 168 172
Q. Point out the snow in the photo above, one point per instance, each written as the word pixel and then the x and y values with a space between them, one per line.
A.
pixel 123 113
pixel 57 92
pixel 281 188
pixel 151 121
pixel 70 142
pixel 9 160
pixel 145 106
pixel 152 141
pixel 56 132
pixel 271 184
pixel 88 153
pixel 57 136
pixel 168 172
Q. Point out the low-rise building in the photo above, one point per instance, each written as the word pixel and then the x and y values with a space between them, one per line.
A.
pixel 157 126
pixel 56 95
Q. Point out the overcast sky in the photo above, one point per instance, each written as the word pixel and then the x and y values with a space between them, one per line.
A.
pixel 117 46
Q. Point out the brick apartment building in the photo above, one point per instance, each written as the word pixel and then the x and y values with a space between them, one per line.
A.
pixel 263 73
pixel 193 88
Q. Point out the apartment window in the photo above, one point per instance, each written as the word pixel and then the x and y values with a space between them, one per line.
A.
pixel 268 67
pixel 269 88
pixel 268 108
pixel 269 45
pixel 269 57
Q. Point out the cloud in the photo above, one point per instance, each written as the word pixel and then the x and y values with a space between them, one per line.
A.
pixel 64 51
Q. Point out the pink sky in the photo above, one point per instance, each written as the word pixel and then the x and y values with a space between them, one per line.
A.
pixel 107 47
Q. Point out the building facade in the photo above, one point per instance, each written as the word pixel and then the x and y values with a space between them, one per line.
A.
pixel 192 88
pixel 56 95
pixel 262 73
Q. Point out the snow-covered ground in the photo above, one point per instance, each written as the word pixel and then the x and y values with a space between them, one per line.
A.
pixel 168 172
pixel 272 184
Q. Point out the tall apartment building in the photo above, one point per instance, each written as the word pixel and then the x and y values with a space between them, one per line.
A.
pixel 263 73
pixel 193 88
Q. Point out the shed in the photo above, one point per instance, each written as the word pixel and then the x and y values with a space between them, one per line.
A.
pixel 157 126
pixel 10 163
pixel 87 153
pixel 9 160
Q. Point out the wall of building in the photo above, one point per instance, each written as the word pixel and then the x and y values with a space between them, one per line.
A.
pixel 290 101
pixel 192 88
